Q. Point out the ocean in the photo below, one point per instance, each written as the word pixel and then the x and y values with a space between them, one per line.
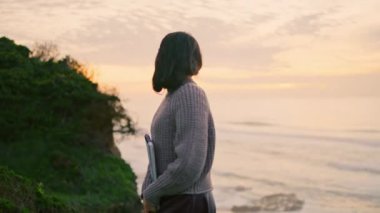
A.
pixel 301 154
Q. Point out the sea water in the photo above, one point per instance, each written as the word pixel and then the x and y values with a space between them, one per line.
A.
pixel 325 151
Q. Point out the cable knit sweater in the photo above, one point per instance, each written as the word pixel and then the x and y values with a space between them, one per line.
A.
pixel 184 137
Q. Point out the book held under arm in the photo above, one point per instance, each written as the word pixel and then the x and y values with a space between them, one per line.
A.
pixel 152 158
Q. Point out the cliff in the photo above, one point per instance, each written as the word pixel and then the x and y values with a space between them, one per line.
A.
pixel 57 152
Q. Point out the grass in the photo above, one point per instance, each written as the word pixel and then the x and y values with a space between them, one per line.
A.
pixel 56 138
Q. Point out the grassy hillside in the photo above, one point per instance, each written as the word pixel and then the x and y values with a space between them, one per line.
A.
pixel 57 151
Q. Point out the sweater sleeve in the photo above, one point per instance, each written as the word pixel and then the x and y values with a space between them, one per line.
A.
pixel 190 145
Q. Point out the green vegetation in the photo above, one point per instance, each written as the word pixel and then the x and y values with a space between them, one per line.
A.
pixel 57 151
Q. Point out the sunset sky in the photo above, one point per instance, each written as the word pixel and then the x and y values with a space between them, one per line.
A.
pixel 261 48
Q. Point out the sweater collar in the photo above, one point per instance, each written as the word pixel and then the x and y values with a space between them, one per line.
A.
pixel 186 81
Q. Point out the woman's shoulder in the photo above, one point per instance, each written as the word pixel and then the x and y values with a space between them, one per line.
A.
pixel 189 96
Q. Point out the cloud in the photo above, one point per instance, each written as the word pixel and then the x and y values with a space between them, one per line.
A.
pixel 260 36
pixel 354 85
pixel 372 37
pixel 133 39
pixel 310 24
pixel 260 18
pixel 42 6
pixel 123 39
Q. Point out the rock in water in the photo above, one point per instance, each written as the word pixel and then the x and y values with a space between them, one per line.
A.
pixel 274 202
pixel 246 208
pixel 281 202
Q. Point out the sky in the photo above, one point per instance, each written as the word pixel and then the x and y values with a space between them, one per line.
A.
pixel 260 48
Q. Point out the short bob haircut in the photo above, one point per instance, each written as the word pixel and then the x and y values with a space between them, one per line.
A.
pixel 178 57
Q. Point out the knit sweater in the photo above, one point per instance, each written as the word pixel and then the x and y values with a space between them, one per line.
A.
pixel 183 133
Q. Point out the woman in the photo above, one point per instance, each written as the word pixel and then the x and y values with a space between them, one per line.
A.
pixel 182 131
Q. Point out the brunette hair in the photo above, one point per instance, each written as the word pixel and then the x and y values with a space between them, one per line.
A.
pixel 178 57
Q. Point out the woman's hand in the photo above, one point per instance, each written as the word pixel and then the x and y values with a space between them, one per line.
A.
pixel 148 207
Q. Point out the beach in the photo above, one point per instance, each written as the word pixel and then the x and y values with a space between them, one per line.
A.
pixel 326 152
